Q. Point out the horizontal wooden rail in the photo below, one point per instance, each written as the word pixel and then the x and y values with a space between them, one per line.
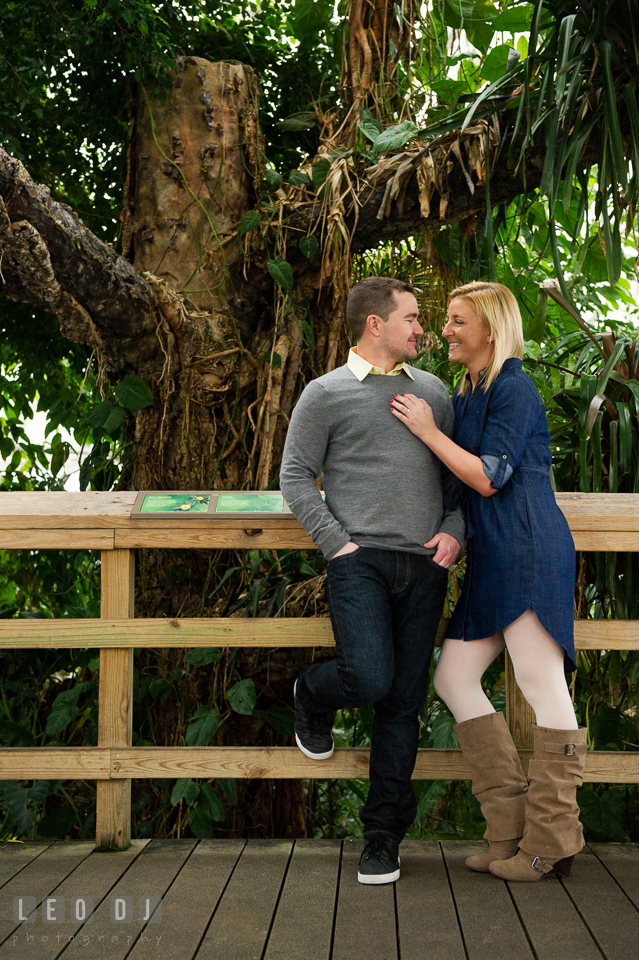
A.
pixel 244 632
pixel 96 520
pixel 124 763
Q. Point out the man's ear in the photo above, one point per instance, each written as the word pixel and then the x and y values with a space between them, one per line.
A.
pixel 373 323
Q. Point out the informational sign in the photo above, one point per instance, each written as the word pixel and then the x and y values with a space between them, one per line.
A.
pixel 207 505
pixel 249 503
pixel 175 503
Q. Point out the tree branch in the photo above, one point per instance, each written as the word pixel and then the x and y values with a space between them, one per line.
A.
pixel 48 258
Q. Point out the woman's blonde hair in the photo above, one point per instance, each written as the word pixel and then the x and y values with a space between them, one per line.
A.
pixel 498 310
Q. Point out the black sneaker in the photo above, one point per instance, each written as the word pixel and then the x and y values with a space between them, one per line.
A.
pixel 379 862
pixel 313 732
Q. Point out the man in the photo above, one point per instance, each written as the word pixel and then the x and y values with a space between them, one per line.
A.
pixel 388 541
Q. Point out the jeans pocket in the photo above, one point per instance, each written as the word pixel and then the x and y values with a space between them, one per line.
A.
pixel 437 566
pixel 344 556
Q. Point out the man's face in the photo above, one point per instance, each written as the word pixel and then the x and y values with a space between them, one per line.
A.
pixel 400 333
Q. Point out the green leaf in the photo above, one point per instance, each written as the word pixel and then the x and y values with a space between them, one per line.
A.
pixel 442 733
pixel 57 823
pixel 280 718
pixel 282 272
pixel 184 789
pixel 59 457
pixel 38 791
pixel 396 136
pixel 448 91
pixel 514 19
pixel 249 222
pixel 242 697
pixel 273 179
pixel 15 735
pixel 203 728
pixel 200 822
pixel 429 798
pixel 211 803
pixel 320 172
pixel 298 179
pixel 229 788
pixel 108 416
pixel 134 393
pixel 603 816
pixel 301 121
pixel 309 246
pixel 537 327
pixel 15 799
pixel 496 63
pixel 60 719
pixel 202 656
pixel 371 129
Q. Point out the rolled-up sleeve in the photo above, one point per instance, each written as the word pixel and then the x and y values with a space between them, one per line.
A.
pixel 513 413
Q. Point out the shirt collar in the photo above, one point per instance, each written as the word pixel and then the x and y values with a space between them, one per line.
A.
pixel 361 368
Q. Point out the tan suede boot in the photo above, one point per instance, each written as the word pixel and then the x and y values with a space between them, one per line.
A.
pixel 498 783
pixel 553 833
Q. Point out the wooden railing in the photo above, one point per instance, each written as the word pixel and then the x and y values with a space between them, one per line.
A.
pixel 101 521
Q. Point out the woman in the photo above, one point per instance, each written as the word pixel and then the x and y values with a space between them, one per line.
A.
pixel 517 593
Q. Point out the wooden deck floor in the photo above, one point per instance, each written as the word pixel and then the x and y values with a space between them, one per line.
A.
pixel 277 900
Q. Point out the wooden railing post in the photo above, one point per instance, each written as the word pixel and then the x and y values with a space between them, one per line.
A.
pixel 519 713
pixel 113 821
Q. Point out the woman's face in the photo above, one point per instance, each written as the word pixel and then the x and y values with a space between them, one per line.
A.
pixel 469 341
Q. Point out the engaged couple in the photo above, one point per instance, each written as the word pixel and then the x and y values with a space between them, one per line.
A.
pixel 412 479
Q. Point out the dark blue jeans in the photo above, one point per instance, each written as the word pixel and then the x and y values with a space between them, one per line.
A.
pixel 385 608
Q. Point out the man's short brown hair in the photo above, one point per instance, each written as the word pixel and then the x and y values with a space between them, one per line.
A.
pixel 373 295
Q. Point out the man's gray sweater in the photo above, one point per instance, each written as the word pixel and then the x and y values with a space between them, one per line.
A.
pixel 383 486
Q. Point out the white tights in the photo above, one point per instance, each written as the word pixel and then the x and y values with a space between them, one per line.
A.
pixel 538 662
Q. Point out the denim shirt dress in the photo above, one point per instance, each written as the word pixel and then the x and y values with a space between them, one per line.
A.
pixel 520 550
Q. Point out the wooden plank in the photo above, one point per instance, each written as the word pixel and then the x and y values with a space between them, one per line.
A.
pixel 346 763
pixel 54 763
pixel 123 763
pixel 622 861
pixel 552 922
pixel 600 511
pixel 240 926
pixel 303 925
pixel 365 923
pixel 90 539
pixel 599 540
pixel 64 509
pixel 489 921
pixel 14 857
pixel 244 631
pixel 519 714
pixel 150 875
pixel 189 904
pixel 611 918
pixel 157 633
pixel 425 907
pixel 93 878
pixel 115 717
pixel 607 634
pixel 40 878
pixel 214 537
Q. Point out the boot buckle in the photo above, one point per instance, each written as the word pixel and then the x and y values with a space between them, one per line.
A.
pixel 570 750
pixel 538 860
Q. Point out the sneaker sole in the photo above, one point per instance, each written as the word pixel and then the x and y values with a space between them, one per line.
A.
pixel 371 878
pixel 313 756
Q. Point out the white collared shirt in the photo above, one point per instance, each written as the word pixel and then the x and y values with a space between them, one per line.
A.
pixel 362 368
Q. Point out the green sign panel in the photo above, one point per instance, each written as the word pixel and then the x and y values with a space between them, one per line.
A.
pixel 250 503
pixel 176 503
